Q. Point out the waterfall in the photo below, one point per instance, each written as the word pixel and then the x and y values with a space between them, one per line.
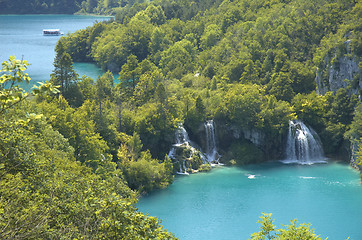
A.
pixel 211 151
pixel 182 139
pixel 187 155
pixel 181 136
pixel 303 145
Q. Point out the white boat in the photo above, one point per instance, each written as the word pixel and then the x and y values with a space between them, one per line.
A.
pixel 52 32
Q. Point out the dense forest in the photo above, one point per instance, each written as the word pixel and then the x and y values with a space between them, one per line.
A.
pixel 39 6
pixel 45 191
pixel 63 6
pixel 245 64
pixel 76 152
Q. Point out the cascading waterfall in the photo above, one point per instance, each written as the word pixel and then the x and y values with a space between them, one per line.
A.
pixel 181 136
pixel 303 145
pixel 182 139
pixel 211 151
pixel 187 155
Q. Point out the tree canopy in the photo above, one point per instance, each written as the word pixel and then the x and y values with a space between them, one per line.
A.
pixel 56 178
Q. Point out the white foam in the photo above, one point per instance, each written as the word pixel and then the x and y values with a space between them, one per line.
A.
pixel 294 161
pixel 216 164
pixel 303 145
pixel 303 177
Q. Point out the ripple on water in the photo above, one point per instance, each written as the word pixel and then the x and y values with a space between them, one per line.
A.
pixel 227 202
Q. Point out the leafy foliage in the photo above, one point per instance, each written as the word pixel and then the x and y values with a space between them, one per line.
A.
pixel 12 76
pixel 44 191
pixel 39 6
pixel 251 63
pixel 292 232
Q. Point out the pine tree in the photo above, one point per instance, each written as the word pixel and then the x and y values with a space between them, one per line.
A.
pixel 63 73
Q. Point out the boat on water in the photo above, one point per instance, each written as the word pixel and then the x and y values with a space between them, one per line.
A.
pixel 52 32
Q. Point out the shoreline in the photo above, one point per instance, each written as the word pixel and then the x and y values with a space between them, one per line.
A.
pixel 92 15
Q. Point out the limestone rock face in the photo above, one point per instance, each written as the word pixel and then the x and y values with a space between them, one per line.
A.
pixel 342 69
pixel 344 74
pixel 354 149
pixel 233 132
pixel 340 72
pixel 255 136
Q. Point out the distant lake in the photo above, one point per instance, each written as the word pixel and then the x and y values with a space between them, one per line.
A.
pixel 21 35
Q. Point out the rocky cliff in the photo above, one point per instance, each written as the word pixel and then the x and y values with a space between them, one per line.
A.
pixel 342 68
pixel 354 148
pixel 340 71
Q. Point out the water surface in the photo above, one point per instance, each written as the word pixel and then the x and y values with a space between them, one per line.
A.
pixel 227 202
pixel 21 35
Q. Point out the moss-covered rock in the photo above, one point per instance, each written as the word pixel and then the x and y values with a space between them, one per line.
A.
pixel 205 167
pixel 186 158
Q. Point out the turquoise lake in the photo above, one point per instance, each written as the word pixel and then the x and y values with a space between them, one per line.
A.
pixel 21 35
pixel 226 204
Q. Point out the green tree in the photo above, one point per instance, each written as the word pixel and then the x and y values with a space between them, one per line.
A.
pixel 156 14
pixel 196 115
pixel 281 87
pixel 178 59
pixel 292 232
pixel 242 104
pixel 137 36
pixel 230 17
pixel 128 76
pixel 78 128
pixel 135 146
pixel 12 75
pixel 312 109
pixel 157 41
pixel 342 107
pixel 199 106
pixel 146 87
pixel 53 196
pixel 168 168
pixel 104 88
pixel 211 36
pixel 355 131
pixel 274 117
pixel 87 88
pixel 63 73
pixel 266 229
pixel 161 95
